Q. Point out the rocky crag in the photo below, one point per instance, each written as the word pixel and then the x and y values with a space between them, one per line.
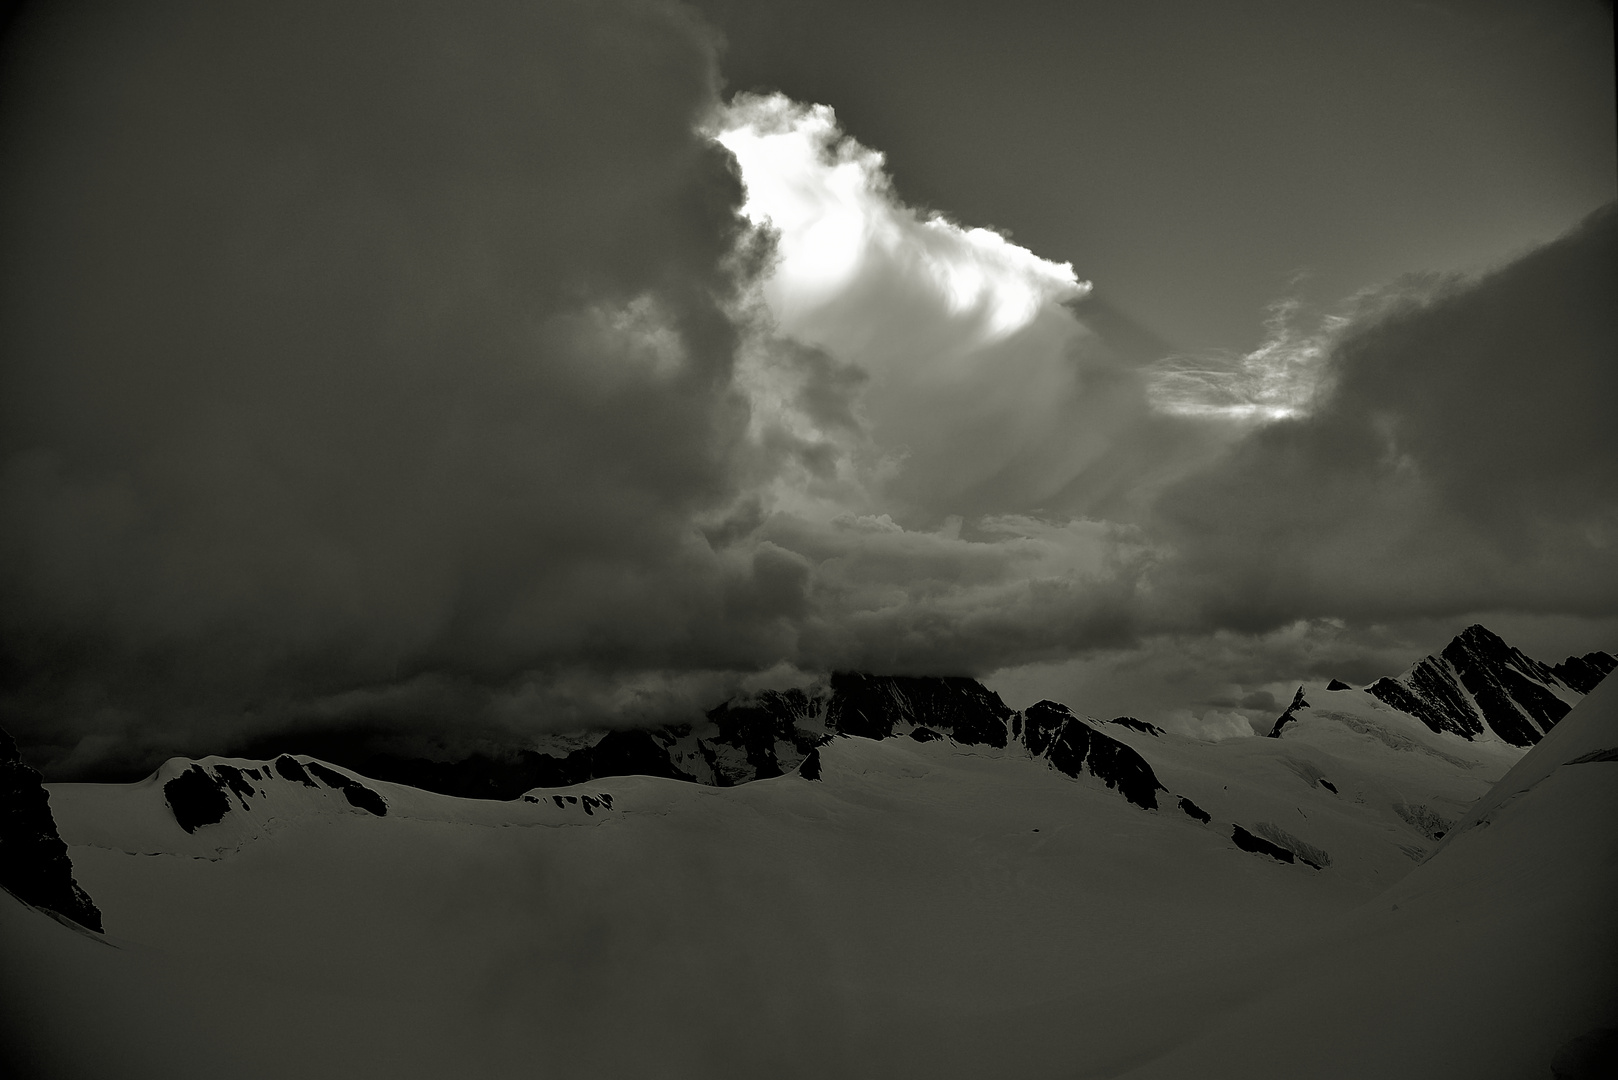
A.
pixel 34 865
pixel 1478 683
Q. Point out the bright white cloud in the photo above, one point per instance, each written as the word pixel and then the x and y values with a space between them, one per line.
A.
pixel 957 363
pixel 835 210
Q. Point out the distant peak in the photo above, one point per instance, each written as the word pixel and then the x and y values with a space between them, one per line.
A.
pixel 1480 683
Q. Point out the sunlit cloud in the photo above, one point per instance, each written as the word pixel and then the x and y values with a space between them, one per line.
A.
pixel 834 210
pixel 1277 380
pixel 956 367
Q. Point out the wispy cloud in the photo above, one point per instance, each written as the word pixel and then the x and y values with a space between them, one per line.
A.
pixel 1279 379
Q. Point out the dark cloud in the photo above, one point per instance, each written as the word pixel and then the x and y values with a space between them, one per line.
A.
pixel 1460 461
pixel 349 342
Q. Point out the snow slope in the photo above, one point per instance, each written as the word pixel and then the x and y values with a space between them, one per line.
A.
pixel 1482 963
pixel 927 908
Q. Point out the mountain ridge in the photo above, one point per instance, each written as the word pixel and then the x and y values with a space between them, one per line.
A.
pixel 1478 683
pixel 1476 686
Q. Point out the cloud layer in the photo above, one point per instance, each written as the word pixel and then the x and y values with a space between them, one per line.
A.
pixel 1461 460
pixel 350 342
pixel 449 373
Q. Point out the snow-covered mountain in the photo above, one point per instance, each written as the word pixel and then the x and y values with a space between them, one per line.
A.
pixel 877 877
pixel 1492 959
pixel 775 732
pixel 1478 686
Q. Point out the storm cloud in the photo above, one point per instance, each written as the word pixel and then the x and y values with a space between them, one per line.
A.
pixel 1460 459
pixel 347 342
pixel 446 374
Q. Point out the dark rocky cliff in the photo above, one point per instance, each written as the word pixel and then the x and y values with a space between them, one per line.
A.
pixel 34 865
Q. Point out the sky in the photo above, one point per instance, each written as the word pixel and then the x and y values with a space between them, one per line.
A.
pixel 445 375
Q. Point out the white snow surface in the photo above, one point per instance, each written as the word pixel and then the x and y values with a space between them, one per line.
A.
pixel 926 910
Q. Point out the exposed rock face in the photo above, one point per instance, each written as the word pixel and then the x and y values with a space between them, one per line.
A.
pixel 355 792
pixel 1583 673
pixel 878 707
pixel 1479 683
pixel 775 732
pixel 1305 853
pixel 1338 684
pixel 1424 819
pixel 34 864
pixel 201 795
pixel 1137 725
pixel 588 803
pixel 1290 715
pixel 1051 731
pixel 196 798
pixel 1259 846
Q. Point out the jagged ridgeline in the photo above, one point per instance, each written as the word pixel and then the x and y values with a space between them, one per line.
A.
pixel 1479 684
pixel 778 731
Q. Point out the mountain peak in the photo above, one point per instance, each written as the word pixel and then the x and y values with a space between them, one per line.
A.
pixel 1479 683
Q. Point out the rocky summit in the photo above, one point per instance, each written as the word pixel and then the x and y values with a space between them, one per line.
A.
pixel 1478 683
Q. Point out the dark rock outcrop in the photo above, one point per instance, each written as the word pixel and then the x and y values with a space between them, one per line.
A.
pixel 291 768
pixel 1302 850
pixel 1260 846
pixel 196 798
pixel 1431 695
pixel 1338 684
pixel 1511 690
pixel 1478 683
pixel 1192 810
pixel 1137 725
pixel 771 729
pixel 880 706
pixel 588 803
pixel 1051 731
pixel 201 795
pixel 34 864
pixel 236 780
pixel 355 792
pixel 1584 673
pixel 1290 715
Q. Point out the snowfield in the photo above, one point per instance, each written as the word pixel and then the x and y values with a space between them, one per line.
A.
pixel 924 909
